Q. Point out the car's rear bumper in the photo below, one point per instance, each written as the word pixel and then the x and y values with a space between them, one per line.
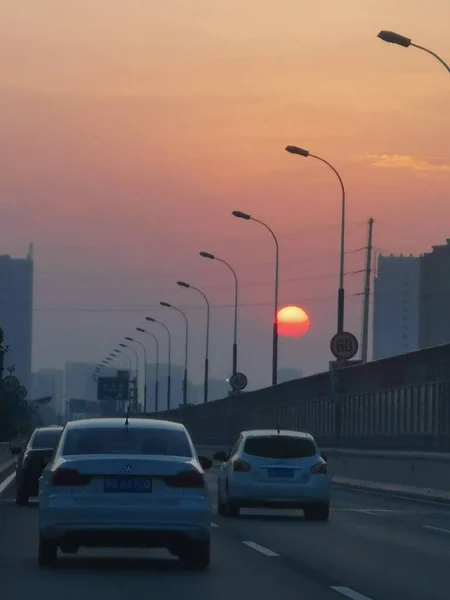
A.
pixel 255 493
pixel 124 526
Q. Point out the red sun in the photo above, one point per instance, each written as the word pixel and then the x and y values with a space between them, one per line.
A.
pixel 292 321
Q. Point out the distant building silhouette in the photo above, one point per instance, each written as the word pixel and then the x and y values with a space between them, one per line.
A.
pixel 49 382
pixel 16 313
pixel 434 297
pixel 396 306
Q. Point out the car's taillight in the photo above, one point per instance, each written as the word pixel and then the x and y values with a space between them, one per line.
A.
pixel 320 469
pixel 187 479
pixel 70 478
pixel 241 466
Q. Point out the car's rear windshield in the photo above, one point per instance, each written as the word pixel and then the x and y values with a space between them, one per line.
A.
pixel 279 446
pixel 126 440
pixel 45 439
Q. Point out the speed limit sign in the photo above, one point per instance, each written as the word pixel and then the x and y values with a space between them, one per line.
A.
pixel 344 345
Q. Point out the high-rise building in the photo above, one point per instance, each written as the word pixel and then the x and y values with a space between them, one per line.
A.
pixel 79 381
pixel 16 313
pixel 49 382
pixel 396 306
pixel 434 297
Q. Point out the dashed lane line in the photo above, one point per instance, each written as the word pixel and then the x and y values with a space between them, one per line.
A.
pixel 6 482
pixel 440 529
pixel 349 593
pixel 261 549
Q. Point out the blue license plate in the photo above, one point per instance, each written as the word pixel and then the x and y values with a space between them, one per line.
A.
pixel 281 472
pixel 127 484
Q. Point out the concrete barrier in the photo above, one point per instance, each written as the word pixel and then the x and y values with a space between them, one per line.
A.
pixel 412 474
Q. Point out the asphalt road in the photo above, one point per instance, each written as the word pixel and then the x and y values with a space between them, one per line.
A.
pixel 373 548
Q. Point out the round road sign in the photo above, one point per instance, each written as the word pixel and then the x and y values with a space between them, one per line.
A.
pixel 10 384
pixel 344 345
pixel 22 392
pixel 238 382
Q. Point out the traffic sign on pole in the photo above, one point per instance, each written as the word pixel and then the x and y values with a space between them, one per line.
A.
pixel 344 345
pixel 22 392
pixel 238 382
pixel 11 384
pixel 112 388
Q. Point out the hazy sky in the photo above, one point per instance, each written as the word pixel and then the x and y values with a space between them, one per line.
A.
pixel 132 128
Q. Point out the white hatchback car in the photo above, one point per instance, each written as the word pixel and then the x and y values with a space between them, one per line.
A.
pixel 274 469
pixel 130 483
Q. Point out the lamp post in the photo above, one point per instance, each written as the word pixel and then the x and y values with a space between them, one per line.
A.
pixel 395 38
pixel 236 289
pixel 208 311
pixel 130 339
pixel 157 363
pixel 123 355
pixel 186 347
pixel 341 292
pixel 241 215
pixel 137 372
pixel 169 356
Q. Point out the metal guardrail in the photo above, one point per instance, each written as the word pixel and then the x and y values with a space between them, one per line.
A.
pixel 404 417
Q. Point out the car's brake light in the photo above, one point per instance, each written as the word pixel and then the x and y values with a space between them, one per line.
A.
pixel 241 466
pixel 320 469
pixel 187 479
pixel 70 478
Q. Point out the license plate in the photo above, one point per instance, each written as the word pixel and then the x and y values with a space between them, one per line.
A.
pixel 281 472
pixel 127 484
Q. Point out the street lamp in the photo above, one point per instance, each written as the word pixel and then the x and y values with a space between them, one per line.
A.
pixel 241 215
pixel 186 347
pixel 208 310
pixel 395 38
pixel 213 257
pixel 157 363
pixel 341 293
pixel 169 356
pixel 130 339
pixel 122 355
pixel 137 371
pixel 119 358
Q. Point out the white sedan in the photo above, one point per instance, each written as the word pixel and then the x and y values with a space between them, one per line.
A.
pixel 134 483
pixel 274 469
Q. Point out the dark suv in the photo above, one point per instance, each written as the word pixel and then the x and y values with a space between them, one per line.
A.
pixel 32 461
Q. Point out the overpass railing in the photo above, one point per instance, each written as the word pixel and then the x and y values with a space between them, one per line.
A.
pixel 401 403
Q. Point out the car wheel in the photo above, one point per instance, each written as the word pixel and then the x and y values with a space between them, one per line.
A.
pixel 317 512
pixel 22 497
pixel 221 508
pixel 232 509
pixel 47 553
pixel 197 554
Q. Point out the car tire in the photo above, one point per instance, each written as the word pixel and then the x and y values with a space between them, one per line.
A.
pixel 221 507
pixel 22 497
pixel 317 512
pixel 47 552
pixel 232 509
pixel 197 554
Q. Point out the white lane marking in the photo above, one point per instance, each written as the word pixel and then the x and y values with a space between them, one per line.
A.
pixel 214 525
pixel 4 484
pixel 349 593
pixel 440 529
pixel 261 549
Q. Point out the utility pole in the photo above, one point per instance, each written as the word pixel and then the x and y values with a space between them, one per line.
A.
pixel 366 306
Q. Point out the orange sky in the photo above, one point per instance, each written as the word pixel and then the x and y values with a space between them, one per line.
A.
pixel 131 128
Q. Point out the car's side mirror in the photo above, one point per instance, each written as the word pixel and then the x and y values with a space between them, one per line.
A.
pixel 220 456
pixel 15 450
pixel 205 462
